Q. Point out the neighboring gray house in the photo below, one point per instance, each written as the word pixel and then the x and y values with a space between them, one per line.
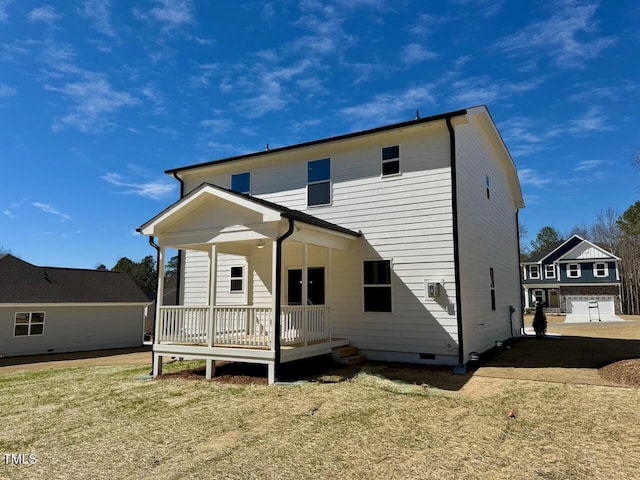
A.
pixel 400 241
pixel 51 309
pixel 573 276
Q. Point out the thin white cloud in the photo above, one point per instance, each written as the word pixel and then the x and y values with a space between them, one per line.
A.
pixel 94 102
pixel 157 189
pixel 9 214
pixel 170 14
pixel 4 17
pixel 7 91
pixel 425 23
pixel 487 8
pixel 533 178
pixel 416 53
pixel 45 207
pixel 99 13
pixel 588 165
pixel 46 14
pixel 389 107
pixel 484 90
pixel 218 125
pixel 569 36
pixel 593 120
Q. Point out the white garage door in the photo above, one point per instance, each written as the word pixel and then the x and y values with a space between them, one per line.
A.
pixel 581 304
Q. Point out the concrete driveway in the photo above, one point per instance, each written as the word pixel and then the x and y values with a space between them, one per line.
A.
pixel 584 318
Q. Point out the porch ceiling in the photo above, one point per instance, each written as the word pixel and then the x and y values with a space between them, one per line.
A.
pixel 214 215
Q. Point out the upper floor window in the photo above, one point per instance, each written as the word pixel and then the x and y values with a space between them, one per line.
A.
pixel 549 271
pixel 319 182
pixel 573 270
pixel 534 271
pixel 28 323
pixel 241 182
pixel 600 270
pixel 377 285
pixel 391 160
pixel 236 280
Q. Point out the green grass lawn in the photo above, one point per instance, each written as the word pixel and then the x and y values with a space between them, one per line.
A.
pixel 102 423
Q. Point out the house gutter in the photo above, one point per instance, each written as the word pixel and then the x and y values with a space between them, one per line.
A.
pixel 277 290
pixel 519 273
pixel 460 368
pixel 179 266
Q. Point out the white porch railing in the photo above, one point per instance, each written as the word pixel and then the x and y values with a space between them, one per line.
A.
pixel 241 325
pixel 304 324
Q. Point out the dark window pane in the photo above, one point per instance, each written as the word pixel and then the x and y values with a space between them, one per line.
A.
pixel 377 299
pixel 22 318
pixel 391 168
pixel 294 287
pixel 22 330
pixel 236 285
pixel 377 272
pixel 391 152
pixel 315 289
pixel 236 272
pixel 493 299
pixel 241 182
pixel 37 329
pixel 37 317
pixel 319 194
pixel 319 170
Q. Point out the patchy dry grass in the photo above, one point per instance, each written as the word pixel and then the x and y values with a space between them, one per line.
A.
pixel 100 422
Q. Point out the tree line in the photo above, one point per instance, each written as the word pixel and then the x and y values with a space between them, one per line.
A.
pixel 619 234
pixel 145 273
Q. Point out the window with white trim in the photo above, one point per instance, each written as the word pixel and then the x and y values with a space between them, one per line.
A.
pixel 534 271
pixel 538 296
pixel 391 160
pixel 549 271
pixel 377 285
pixel 241 182
pixel 573 270
pixel 28 323
pixel 237 279
pixel 319 182
pixel 600 270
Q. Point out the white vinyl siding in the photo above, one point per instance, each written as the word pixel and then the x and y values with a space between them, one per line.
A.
pixel 488 237
pixel 73 329
pixel 415 230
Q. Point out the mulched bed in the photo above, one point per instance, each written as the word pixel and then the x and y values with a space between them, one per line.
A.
pixel 625 372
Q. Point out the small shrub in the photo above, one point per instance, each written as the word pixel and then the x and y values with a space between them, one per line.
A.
pixel 540 321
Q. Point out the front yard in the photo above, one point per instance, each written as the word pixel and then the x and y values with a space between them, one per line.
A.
pixel 102 422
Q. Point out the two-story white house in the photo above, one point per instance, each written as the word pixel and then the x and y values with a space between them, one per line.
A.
pixel 401 241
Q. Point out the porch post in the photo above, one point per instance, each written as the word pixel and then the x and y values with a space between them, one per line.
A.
pixel 526 297
pixel 213 276
pixel 328 297
pixel 157 363
pixel 305 293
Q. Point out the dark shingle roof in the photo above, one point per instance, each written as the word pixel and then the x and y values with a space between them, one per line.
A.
pixel 22 282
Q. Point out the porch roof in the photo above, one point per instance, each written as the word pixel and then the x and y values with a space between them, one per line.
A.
pixel 271 212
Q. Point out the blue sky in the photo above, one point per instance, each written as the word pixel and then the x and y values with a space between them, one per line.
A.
pixel 99 97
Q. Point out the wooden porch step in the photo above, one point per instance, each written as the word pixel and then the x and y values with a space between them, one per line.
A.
pixel 347 355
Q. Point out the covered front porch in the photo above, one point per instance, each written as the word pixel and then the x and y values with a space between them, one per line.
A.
pixel 243 259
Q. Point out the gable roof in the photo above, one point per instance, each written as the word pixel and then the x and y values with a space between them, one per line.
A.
pixel 559 249
pixel 270 210
pixel 22 282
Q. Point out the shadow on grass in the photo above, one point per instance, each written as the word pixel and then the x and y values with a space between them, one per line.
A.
pixel 567 352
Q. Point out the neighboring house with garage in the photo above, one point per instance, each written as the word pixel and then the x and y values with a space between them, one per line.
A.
pixel 400 241
pixel 573 276
pixel 52 309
